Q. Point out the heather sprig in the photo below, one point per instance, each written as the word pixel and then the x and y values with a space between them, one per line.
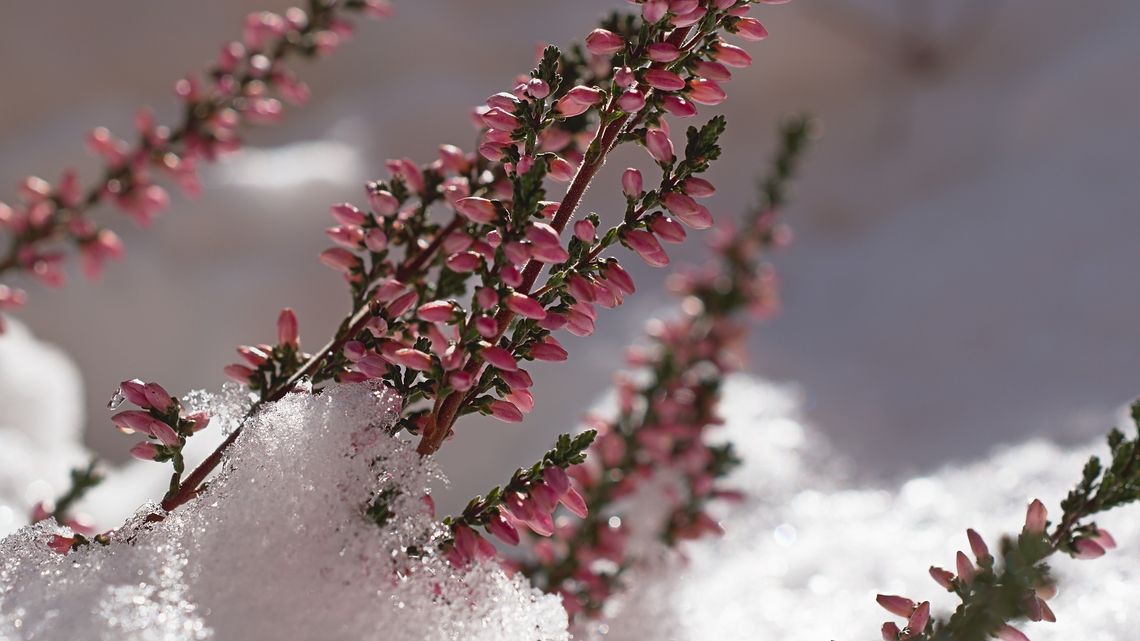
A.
pixel 245 85
pixel 528 500
pixel 659 432
pixel 1016 586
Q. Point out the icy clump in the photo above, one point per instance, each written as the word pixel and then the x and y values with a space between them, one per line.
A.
pixel 277 547
pixel 40 421
pixel 804 557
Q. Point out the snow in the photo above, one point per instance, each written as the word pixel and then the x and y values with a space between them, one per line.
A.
pixel 804 557
pixel 278 547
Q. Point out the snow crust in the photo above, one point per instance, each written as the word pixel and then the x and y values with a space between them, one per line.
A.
pixel 805 555
pixel 278 547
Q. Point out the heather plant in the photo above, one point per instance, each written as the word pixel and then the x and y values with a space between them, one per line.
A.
pixel 460 272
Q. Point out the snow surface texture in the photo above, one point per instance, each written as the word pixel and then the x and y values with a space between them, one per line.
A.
pixel 40 423
pixel 804 557
pixel 276 548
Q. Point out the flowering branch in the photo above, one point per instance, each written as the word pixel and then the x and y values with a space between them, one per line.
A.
pixel 994 596
pixel 661 425
pixel 447 359
pixel 239 90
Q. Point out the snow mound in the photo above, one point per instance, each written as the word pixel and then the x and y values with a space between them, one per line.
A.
pixel 279 546
pixel 804 557
pixel 40 422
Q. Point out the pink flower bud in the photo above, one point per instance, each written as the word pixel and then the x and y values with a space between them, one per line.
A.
pixel 525 306
pixel 965 567
pixel 62 544
pixel 617 274
pixel 504 101
pixel 1105 540
pixel 580 288
pixel 537 88
pixel 698 187
pixel 502 529
pixel 575 503
pixel 631 183
pixel 601 42
pixel 348 236
pixel 479 210
pixel 942 577
pixel 287 327
pixel 145 451
pixel 659 146
pixel 382 203
pixel 1036 516
pixel 460 380
pixel 486 297
pixel 500 358
pixel 347 214
pixel 891 631
pixel 624 77
pixel 412 359
pixel 506 412
pixel 646 246
pixel 664 80
pixel 402 304
pixel 677 106
pixel 896 605
pixel 340 259
pixel 706 92
pixel 977 545
pixel 486 326
pixel 749 29
pixel 1009 633
pixel 556 478
pixel 375 240
pixel 496 118
pixel 585 231
pixel 464 262
pixel 239 373
pixel 712 71
pixel 437 311
pixel 548 349
pixel 372 365
pixel 919 618
pixel 157 397
pixel 561 170
pixel 134 392
pixel 667 229
pixel 663 52
pixel 654 10
pixel 632 101
pixel 1087 549
pixel 731 55
pixel 198 421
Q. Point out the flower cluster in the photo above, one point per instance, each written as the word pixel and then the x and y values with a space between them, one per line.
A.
pixel 659 433
pixel 528 501
pixel 245 85
pixel 161 419
pixel 994 595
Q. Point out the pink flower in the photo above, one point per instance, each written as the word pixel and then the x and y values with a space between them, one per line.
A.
pixel 731 55
pixel 1036 516
pixel 891 631
pixel 654 10
pixel 347 214
pixel 663 52
pixel 479 210
pixel 977 545
pixel 239 373
pixel 60 544
pixel 713 71
pixel 1009 633
pixel 632 101
pixel 464 262
pixel 965 567
pixel 157 397
pixel 502 529
pixel 601 42
pixel 145 451
pixel 919 618
pixel 585 231
pixel 134 391
pixel 896 605
pixel 340 259
pixel 505 411
pixel 438 311
pixel 1087 549
pixel 667 229
pixel 548 349
pixel 659 146
pixel 496 118
pixel 664 80
pixel 412 359
pixel 677 106
pixel 525 306
pixel 942 577
pixel 749 29
pixel 646 246
pixel 500 358
pixel 698 187
pixel 706 92
pixel 382 202
pixel 631 183
pixel 575 503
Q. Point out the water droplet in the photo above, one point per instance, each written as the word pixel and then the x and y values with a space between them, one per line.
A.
pixel 304 385
pixel 116 399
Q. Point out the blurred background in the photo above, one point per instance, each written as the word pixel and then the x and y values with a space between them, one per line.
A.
pixel 964 267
